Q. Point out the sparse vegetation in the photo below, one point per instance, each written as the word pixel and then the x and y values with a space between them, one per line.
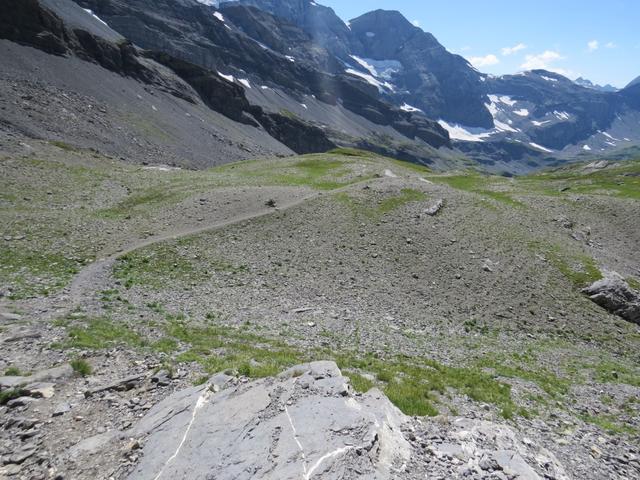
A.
pixel 490 187
pixel 100 333
pixel 621 180
pixel 13 372
pixel 8 395
pixel 582 270
pixel 151 267
pixel 81 367
pixel 413 384
pixel 388 204
pixel 407 195
pixel 634 283
pixel 610 424
pixel 64 146
pixel 31 273
pixel 359 383
pixel 552 385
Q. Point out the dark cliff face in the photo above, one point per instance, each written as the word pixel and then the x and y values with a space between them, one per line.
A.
pixel 321 23
pixel 37 26
pixel 281 36
pixel 442 84
pixel 261 44
pixel 631 95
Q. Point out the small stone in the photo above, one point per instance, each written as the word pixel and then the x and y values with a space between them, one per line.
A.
pixel 133 445
pixel 24 453
pixel 162 378
pixel 20 402
pixel 10 470
pixel 61 409
pixel 41 390
pixel 488 464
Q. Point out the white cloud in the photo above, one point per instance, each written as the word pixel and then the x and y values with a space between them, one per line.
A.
pixel 515 49
pixel 593 45
pixel 542 61
pixel 485 61
pixel 416 23
pixel 611 45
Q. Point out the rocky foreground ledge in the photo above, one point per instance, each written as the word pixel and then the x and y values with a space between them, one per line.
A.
pixel 307 423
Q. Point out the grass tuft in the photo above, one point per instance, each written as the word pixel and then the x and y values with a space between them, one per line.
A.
pixel 7 395
pixel 13 372
pixel 81 367
pixel 100 333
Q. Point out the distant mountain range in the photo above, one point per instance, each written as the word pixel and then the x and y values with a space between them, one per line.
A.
pixel 377 82
pixel 583 82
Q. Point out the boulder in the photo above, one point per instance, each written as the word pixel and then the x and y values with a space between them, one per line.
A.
pixel 306 423
pixel 433 210
pixel 615 295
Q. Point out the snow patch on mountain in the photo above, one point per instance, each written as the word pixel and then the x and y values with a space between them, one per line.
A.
pixel 467 134
pixel 540 147
pixel 499 116
pixel 408 108
pixel 507 100
pixel 382 86
pixel 228 78
pixel 379 68
pixel 90 12
pixel 610 137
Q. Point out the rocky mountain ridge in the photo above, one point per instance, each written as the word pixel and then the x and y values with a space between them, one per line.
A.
pixel 414 71
pixel 378 82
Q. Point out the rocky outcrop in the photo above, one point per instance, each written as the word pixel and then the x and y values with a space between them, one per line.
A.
pixel 615 295
pixel 33 23
pixel 307 423
pixel 228 98
pixel 303 424
pixel 29 24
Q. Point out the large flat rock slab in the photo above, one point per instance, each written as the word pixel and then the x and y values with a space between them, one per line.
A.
pixel 304 424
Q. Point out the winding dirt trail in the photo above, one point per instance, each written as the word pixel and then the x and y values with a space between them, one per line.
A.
pixel 89 279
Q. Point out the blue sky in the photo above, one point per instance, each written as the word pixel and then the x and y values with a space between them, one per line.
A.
pixel 599 40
